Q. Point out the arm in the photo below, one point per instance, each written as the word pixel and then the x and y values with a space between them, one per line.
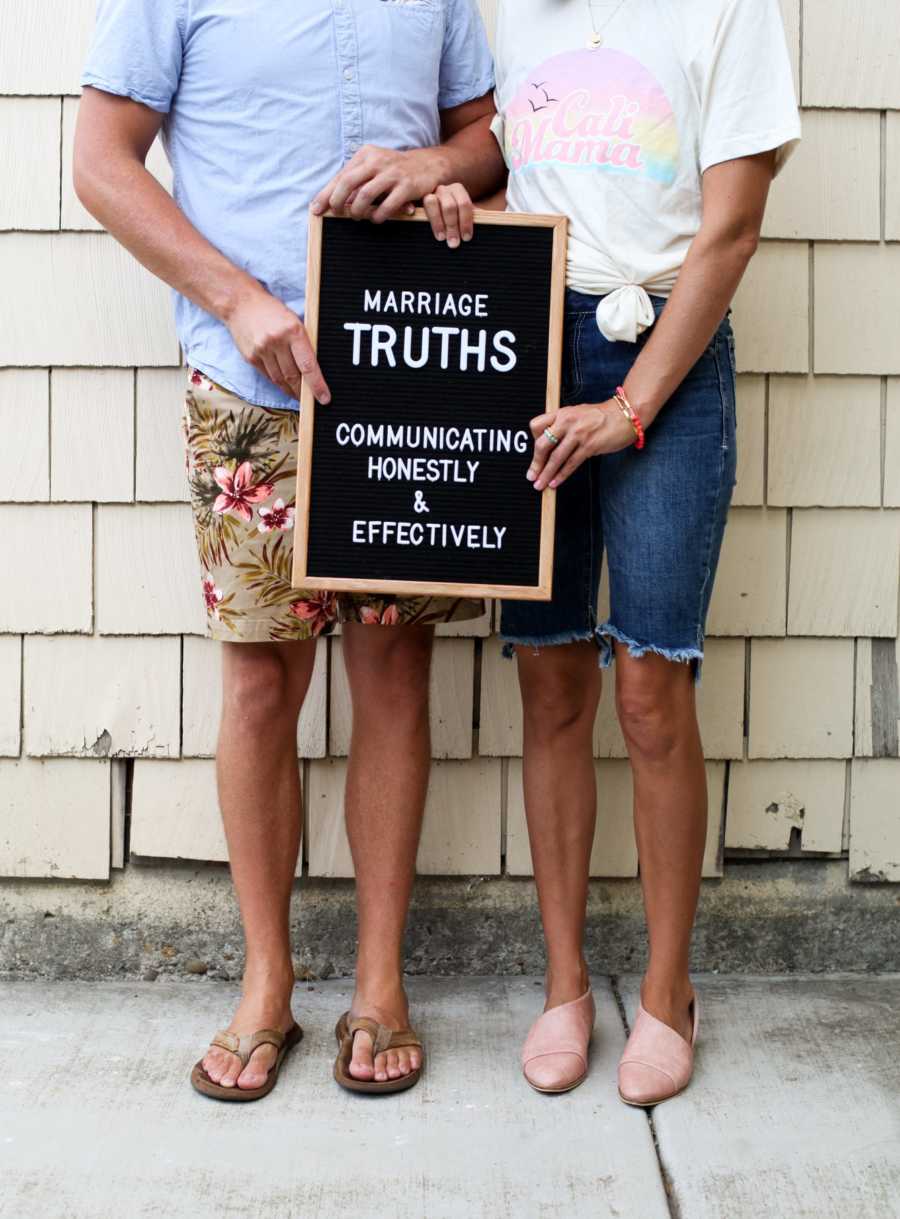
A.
pixel 380 182
pixel 734 201
pixel 113 137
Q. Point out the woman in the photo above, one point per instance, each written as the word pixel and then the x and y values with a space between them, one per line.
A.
pixel 656 126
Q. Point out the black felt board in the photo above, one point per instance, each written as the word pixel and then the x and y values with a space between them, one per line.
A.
pixel 510 265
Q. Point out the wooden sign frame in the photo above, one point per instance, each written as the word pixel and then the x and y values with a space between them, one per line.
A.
pixel 301 578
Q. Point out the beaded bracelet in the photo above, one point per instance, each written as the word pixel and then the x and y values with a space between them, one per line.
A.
pixel 632 416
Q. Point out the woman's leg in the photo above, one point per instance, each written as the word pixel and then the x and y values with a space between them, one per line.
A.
pixel 656 708
pixel 560 691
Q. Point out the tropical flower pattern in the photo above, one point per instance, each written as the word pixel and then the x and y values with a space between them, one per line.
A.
pixel 276 517
pixel 241 465
pixel 239 492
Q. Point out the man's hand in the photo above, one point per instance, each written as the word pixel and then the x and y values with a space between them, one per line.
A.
pixel 274 340
pixel 581 432
pixel 378 183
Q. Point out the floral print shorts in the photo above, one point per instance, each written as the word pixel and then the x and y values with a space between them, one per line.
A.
pixel 241 465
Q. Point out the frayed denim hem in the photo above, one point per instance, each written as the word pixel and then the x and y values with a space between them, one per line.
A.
pixel 607 631
pixel 511 642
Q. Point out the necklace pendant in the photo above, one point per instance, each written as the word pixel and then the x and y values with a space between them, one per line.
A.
pixel 595 42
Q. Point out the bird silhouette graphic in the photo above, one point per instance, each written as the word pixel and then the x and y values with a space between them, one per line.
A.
pixel 540 87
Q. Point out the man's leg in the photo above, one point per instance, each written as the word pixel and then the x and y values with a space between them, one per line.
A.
pixel 264 685
pixel 387 781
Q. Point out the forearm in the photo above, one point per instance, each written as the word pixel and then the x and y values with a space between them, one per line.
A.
pixel 495 202
pixel 131 204
pixel 471 156
pixel 701 297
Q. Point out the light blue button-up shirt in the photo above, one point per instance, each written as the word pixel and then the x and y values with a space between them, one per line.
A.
pixel 265 100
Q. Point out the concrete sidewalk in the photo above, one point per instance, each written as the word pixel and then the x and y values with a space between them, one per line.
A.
pixel 794 1110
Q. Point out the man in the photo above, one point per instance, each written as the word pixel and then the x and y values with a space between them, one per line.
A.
pixel 261 104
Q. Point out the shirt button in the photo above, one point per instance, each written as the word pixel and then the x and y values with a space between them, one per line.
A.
pixel 354 147
pixel 348 74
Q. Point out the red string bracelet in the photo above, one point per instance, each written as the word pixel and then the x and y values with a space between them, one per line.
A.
pixel 632 416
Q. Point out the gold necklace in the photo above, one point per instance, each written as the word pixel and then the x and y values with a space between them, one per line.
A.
pixel 595 41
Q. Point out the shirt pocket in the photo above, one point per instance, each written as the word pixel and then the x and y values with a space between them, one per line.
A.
pixel 424 11
pixel 413 35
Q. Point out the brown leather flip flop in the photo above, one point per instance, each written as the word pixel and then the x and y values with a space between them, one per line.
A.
pixel 243 1047
pixel 383 1039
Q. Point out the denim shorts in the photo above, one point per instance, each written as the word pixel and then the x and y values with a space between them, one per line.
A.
pixel 659 513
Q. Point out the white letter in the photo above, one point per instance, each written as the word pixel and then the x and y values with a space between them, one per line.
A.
pixel 371 302
pixel 356 528
pixel 423 350
pixel 445 332
pixel 467 349
pixel 500 346
pixel 357 328
pixel 342 433
pixel 383 339
pixel 481 305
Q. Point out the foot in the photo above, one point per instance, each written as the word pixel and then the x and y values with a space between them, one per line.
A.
pixel 670 1003
pixel 266 1005
pixel 555 1054
pixel 565 985
pixel 389 1007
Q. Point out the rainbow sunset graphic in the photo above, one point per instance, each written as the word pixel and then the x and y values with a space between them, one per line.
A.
pixel 593 110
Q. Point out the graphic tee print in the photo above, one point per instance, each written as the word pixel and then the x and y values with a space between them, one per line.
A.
pixel 618 138
pixel 593 110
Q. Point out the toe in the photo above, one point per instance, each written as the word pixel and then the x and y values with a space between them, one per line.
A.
pixel 361 1066
pixel 381 1067
pixel 231 1073
pixel 256 1072
pixel 393 1068
pixel 217 1064
pixel 403 1062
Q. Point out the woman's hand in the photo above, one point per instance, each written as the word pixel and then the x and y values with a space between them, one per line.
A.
pixel 582 432
pixel 452 214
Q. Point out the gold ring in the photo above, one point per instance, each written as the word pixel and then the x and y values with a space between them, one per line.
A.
pixel 554 440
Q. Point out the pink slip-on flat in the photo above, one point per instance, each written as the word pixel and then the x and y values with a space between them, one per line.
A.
pixel 657 1062
pixel 555 1053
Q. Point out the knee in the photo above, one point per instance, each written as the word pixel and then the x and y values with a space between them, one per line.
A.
pixel 391 665
pixel 560 703
pixel 257 688
pixel 649 717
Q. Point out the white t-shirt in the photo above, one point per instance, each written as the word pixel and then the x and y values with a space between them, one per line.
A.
pixel 617 138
